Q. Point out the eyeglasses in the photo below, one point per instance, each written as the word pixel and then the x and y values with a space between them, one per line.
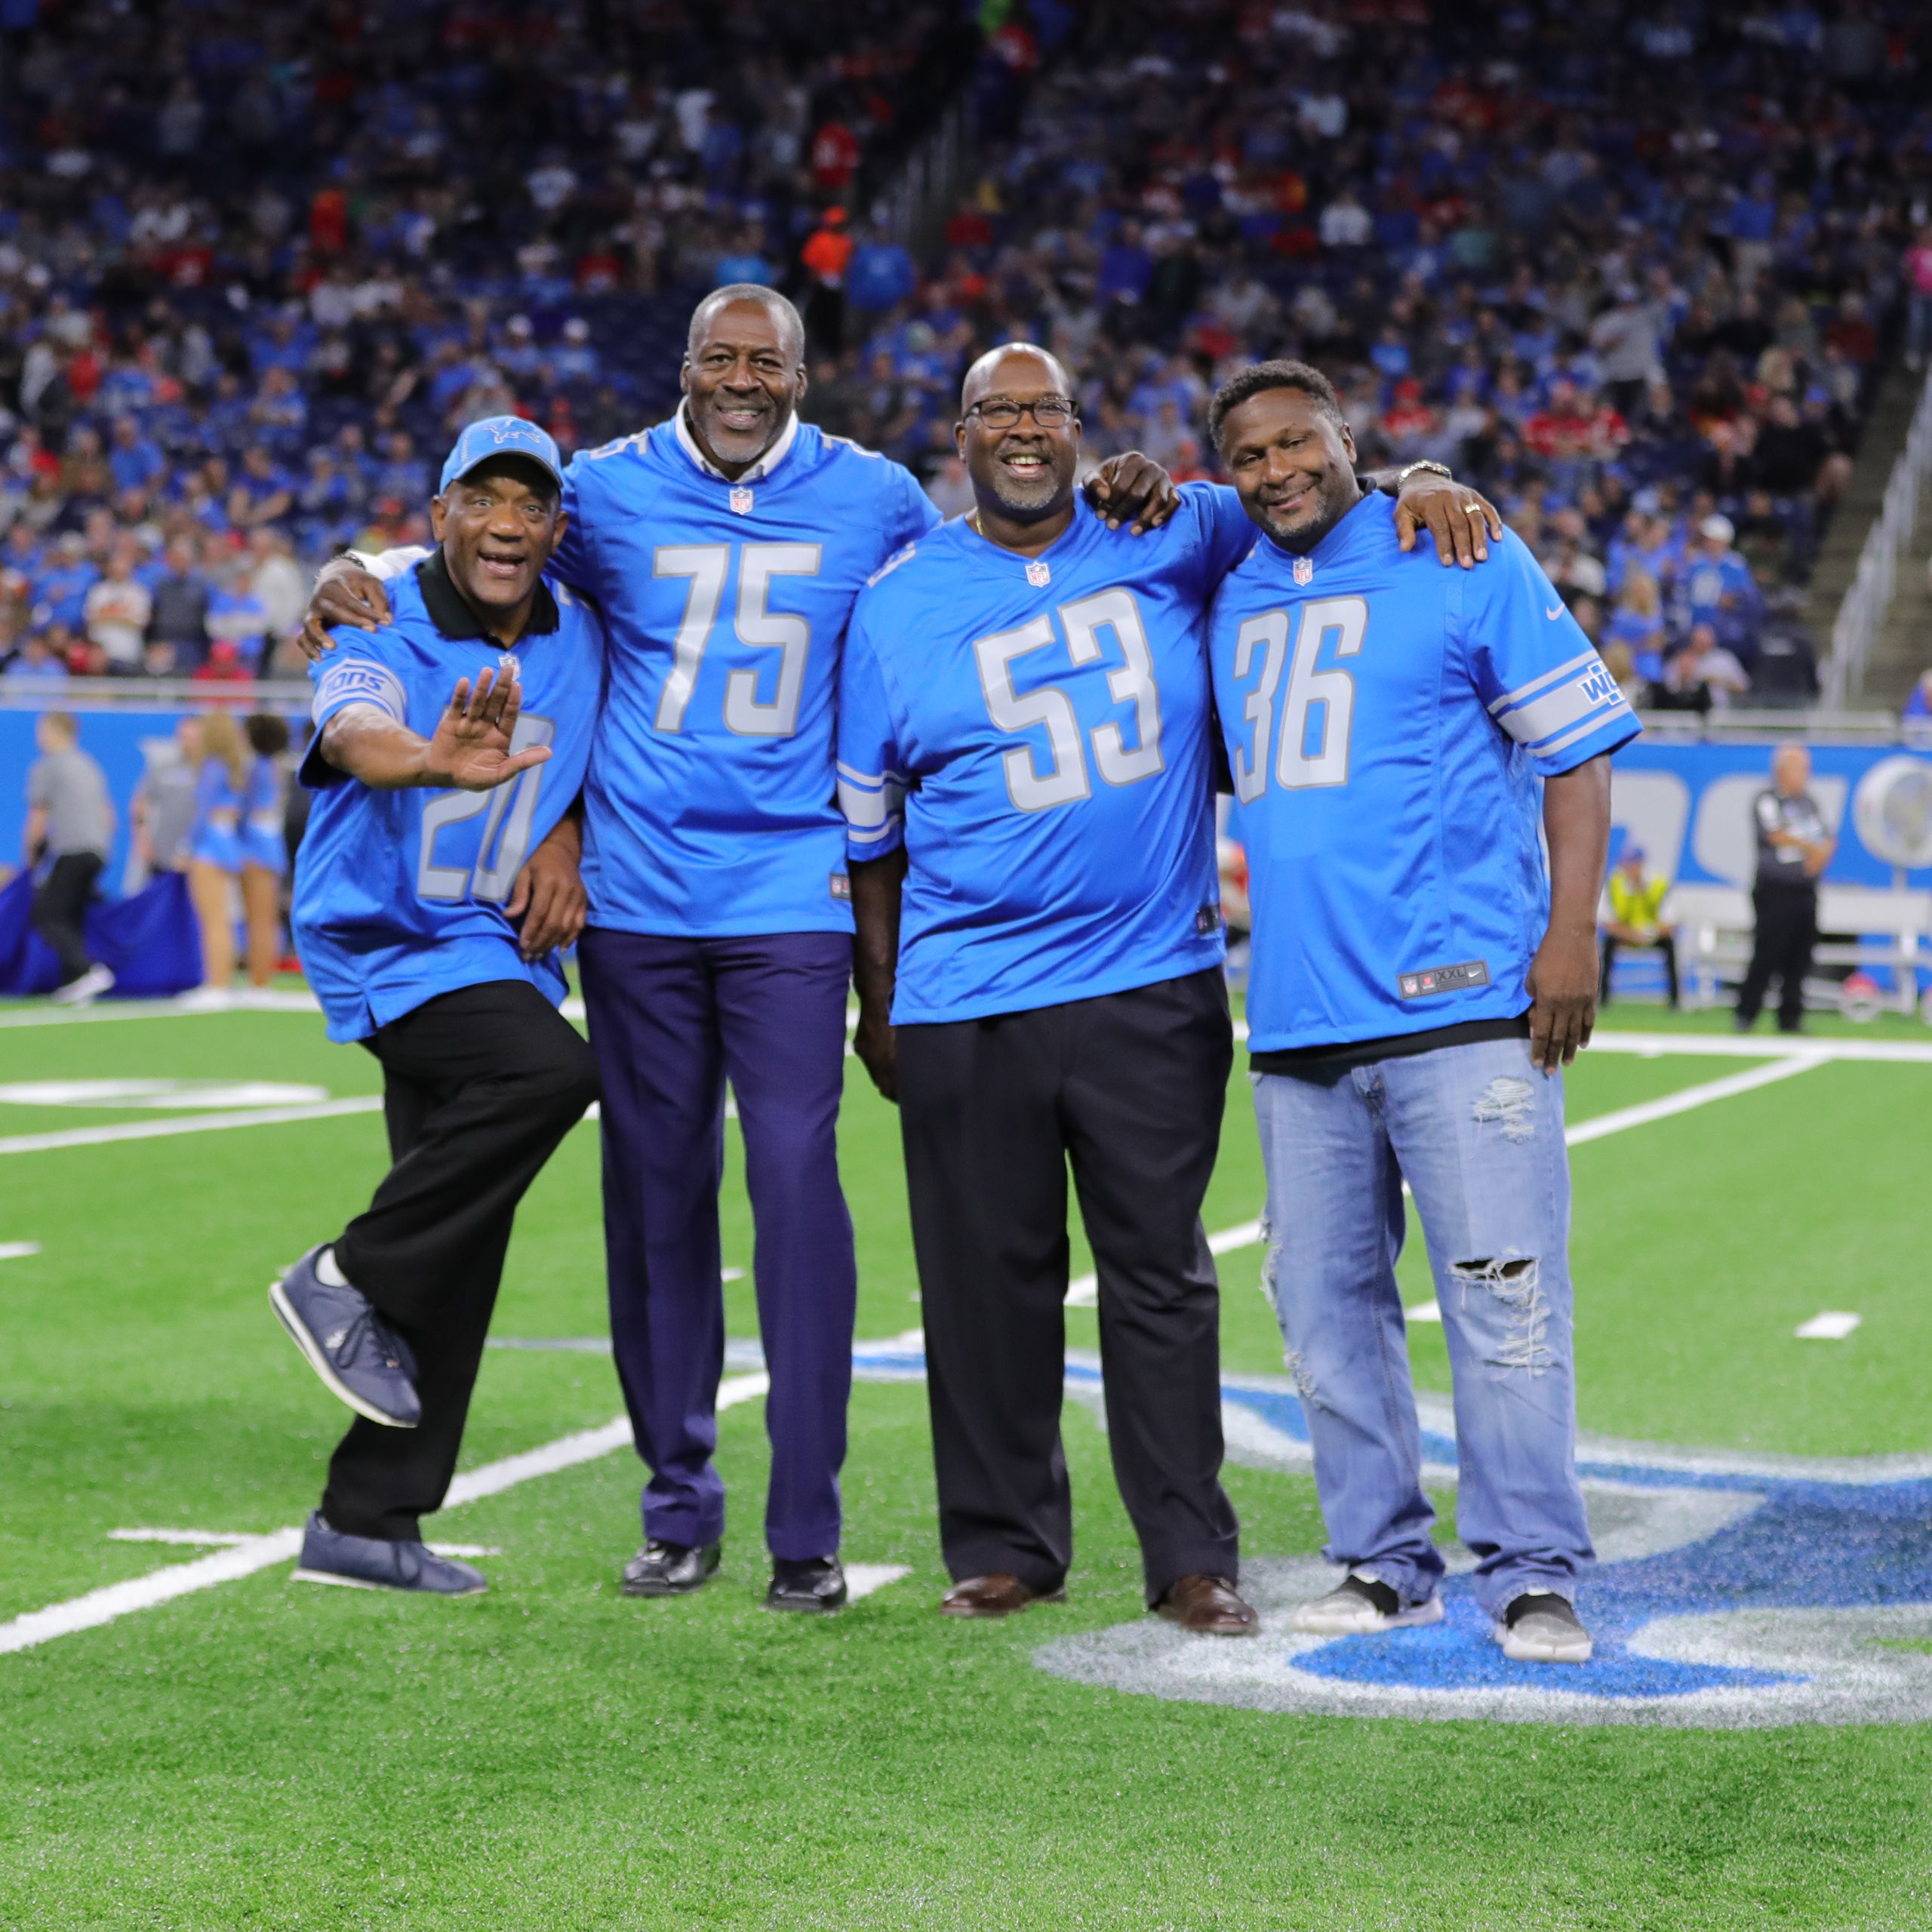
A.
pixel 1000 412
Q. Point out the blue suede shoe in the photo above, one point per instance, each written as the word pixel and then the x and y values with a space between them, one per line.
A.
pixel 365 1563
pixel 360 1358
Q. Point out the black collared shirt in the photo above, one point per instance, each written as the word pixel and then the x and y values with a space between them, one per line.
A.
pixel 451 613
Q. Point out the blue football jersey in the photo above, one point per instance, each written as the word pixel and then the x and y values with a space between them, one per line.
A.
pixel 399 894
pixel 711 807
pixel 1389 723
pixel 1037 733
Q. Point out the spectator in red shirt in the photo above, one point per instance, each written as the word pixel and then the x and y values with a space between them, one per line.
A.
pixel 835 157
pixel 1852 334
pixel 1573 424
pixel 328 222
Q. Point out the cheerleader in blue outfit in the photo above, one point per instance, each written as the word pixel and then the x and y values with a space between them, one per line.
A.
pixel 215 846
pixel 264 853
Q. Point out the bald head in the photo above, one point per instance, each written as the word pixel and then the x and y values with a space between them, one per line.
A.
pixel 1791 769
pixel 1016 367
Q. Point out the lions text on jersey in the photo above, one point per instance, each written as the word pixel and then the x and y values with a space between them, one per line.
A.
pixel 1035 730
pixel 710 810
pixel 399 894
pixel 1388 723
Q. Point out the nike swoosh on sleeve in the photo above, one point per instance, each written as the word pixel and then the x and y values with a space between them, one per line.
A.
pixel 1553 611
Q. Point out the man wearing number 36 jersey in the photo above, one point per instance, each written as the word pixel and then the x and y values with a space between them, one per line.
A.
pixel 1420 976
pixel 450 744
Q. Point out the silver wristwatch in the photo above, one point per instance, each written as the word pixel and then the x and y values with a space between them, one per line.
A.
pixel 1428 463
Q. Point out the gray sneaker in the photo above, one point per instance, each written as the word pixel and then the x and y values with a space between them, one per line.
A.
pixel 361 1360
pixel 1541 1627
pixel 367 1563
pixel 1360 1605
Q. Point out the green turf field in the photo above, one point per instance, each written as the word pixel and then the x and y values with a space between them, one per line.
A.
pixel 263 1754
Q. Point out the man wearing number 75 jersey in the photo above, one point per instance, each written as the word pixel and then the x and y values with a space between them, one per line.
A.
pixel 1418 980
pixel 449 743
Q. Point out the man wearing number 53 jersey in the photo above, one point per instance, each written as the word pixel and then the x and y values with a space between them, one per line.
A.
pixel 450 744
pixel 1419 979
pixel 1025 759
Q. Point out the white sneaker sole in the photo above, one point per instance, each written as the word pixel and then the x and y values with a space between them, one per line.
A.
pixel 1365 1621
pixel 1569 1650
pixel 300 1576
pixel 297 1334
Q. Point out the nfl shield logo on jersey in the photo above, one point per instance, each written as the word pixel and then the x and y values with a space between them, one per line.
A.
pixel 1304 571
pixel 1039 576
pixel 741 503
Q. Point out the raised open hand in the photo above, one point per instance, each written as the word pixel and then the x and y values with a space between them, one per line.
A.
pixel 470 749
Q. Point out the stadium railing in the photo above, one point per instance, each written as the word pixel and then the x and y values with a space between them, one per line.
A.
pixel 283 696
pixel 1862 614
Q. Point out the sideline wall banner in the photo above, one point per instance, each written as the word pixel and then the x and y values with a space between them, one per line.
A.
pixel 1689 806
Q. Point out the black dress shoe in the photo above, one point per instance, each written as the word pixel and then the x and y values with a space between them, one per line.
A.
pixel 816 1583
pixel 669 1569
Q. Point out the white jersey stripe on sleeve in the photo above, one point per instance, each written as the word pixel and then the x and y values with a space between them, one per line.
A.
pixel 1608 714
pixel 360 680
pixel 1523 693
pixel 1557 708
pixel 871 804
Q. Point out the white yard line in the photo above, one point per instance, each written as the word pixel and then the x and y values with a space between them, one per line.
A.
pixel 18 1250
pixel 195 1539
pixel 1690 1098
pixel 1083 1292
pixel 1759 1046
pixel 164 1130
pixel 244 1558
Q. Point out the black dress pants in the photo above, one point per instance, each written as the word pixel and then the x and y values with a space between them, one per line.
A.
pixel 1787 930
pixel 61 904
pixel 1128 1088
pixel 479 1085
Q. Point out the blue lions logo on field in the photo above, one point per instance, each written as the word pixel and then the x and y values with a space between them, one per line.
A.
pixel 1730 1591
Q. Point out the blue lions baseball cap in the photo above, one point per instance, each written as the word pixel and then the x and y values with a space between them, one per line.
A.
pixel 501 435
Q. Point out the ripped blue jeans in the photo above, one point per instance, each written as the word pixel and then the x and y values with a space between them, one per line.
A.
pixel 1478 1132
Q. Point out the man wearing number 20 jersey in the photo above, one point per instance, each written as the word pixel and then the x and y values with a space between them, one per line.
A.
pixel 448 744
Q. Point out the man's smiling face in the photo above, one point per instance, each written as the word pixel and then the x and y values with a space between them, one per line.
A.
pixel 498 527
pixel 1292 463
pixel 1025 468
pixel 743 377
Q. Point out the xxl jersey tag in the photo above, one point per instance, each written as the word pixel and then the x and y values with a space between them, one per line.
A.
pixel 1444 979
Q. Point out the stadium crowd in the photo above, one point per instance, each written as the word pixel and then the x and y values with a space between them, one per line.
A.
pixel 256 265
pixel 251 273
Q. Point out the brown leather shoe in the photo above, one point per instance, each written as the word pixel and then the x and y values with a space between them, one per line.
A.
pixel 996 1595
pixel 1211 1605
